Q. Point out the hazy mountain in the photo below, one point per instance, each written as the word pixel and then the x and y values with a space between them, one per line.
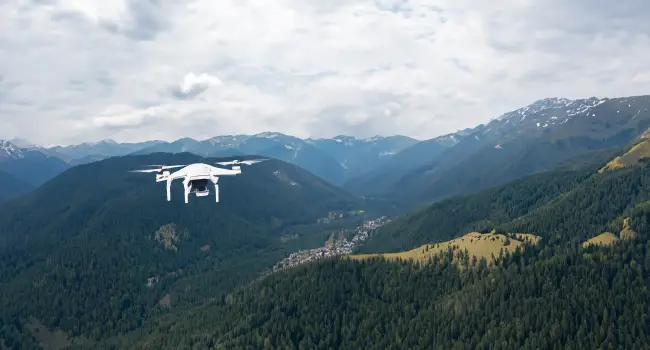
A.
pixel 534 138
pixel 359 156
pixel 287 148
pixel 104 148
pixel 88 241
pixel 334 160
pixel 22 143
pixel 30 165
pixel 390 171
pixel 331 159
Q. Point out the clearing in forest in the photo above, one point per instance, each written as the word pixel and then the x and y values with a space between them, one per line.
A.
pixel 603 239
pixel 487 245
pixel 608 238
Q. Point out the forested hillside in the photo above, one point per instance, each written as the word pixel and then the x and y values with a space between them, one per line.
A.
pixel 98 250
pixel 553 297
pixel 33 167
pixel 10 186
pixel 557 294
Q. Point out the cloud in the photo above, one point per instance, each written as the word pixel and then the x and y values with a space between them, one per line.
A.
pixel 193 85
pixel 81 70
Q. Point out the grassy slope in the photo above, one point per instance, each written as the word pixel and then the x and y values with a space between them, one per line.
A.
pixel 478 212
pixel 631 158
pixel 488 246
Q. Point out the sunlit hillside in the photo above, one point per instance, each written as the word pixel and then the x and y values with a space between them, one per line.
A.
pixel 487 245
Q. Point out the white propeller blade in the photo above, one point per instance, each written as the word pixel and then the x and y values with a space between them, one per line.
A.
pixel 228 163
pixel 145 171
pixel 158 169
pixel 253 161
pixel 246 162
pixel 163 167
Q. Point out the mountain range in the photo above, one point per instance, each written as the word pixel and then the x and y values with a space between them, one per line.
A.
pixel 541 136
pixel 92 255
pixel 334 160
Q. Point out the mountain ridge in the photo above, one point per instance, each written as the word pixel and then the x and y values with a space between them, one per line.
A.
pixel 534 138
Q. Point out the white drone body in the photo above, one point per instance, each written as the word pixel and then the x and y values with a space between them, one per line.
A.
pixel 196 176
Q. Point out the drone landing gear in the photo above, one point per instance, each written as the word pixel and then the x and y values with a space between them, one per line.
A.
pixel 186 186
pixel 216 188
pixel 169 190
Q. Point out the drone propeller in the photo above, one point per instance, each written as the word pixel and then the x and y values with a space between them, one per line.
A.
pixel 158 169
pixel 245 162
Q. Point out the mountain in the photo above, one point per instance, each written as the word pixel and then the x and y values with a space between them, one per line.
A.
pixel 389 172
pixel 9 151
pixel 99 150
pixel 534 138
pixel 11 187
pixel 275 145
pixel 30 165
pixel 97 249
pixel 562 292
pixel 359 156
pixel 22 143
pixel 334 159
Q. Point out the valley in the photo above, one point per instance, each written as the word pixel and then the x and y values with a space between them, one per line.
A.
pixel 329 230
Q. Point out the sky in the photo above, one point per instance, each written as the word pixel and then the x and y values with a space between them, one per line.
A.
pixel 73 71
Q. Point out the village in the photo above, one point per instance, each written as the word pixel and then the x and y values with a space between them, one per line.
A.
pixel 334 246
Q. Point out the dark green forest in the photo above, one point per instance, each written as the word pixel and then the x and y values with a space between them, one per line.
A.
pixel 78 252
pixel 552 297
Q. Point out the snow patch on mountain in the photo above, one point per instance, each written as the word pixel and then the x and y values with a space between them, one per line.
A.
pixel 9 150
pixel 551 106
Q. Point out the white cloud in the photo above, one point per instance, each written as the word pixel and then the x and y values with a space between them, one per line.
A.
pixel 81 70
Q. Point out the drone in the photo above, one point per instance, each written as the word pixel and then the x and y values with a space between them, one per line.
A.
pixel 196 176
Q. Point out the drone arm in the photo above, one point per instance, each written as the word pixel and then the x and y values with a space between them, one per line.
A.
pixel 162 177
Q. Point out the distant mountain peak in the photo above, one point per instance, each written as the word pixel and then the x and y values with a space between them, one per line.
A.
pixel 270 135
pixel 22 143
pixel 374 138
pixel 343 138
pixel 9 150
pixel 349 139
pixel 105 141
pixel 573 107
